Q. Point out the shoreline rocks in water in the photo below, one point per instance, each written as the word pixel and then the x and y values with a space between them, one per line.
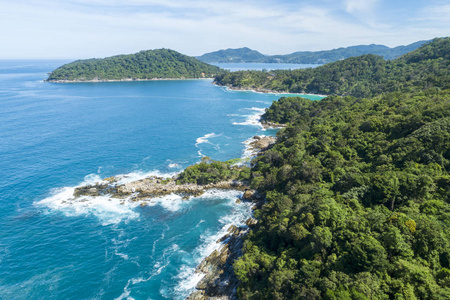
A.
pixel 152 187
pixel 219 281
pixel 271 125
pixel 257 90
pixel 262 143
pixel 258 145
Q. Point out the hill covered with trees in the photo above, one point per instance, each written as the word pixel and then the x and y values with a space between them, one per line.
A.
pixel 151 64
pixel 246 55
pixel 361 76
pixel 357 194
pixel 233 55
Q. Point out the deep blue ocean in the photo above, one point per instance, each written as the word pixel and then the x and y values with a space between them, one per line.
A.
pixel 54 137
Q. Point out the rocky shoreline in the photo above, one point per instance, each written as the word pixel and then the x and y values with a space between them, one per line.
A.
pixel 152 187
pixel 246 89
pixel 219 281
pixel 272 125
pixel 262 90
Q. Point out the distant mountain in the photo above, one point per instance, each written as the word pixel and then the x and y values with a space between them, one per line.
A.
pixel 246 55
pixel 233 55
pixel 362 76
pixel 144 65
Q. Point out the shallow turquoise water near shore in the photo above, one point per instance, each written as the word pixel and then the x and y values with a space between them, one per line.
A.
pixel 54 137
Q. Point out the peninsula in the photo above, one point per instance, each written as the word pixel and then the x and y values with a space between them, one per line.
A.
pixel 144 65
pixel 362 76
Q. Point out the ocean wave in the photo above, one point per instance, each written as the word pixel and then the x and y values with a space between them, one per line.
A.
pixel 174 166
pixel 253 119
pixel 157 269
pixel 205 139
pixel 172 202
pixel 107 209
pixel 138 175
pixel 249 152
pixel 186 276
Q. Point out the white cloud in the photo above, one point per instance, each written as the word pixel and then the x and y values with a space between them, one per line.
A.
pixel 436 13
pixel 359 6
pixel 97 28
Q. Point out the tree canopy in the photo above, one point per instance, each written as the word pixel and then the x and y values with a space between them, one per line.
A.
pixel 160 63
pixel 362 76
pixel 357 192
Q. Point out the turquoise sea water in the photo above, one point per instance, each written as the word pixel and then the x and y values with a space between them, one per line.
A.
pixel 54 137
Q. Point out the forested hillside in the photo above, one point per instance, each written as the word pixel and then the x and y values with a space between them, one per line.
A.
pixel 246 55
pixel 161 63
pixel 357 192
pixel 233 56
pixel 361 76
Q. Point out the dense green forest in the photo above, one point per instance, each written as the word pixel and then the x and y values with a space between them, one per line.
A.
pixel 161 63
pixel 247 55
pixel 361 76
pixel 357 191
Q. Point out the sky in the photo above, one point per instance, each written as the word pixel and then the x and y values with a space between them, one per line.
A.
pixel 99 28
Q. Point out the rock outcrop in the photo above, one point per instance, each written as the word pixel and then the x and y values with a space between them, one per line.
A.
pixel 268 124
pixel 258 145
pixel 152 187
pixel 219 281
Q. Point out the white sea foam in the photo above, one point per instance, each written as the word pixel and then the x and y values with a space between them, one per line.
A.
pixel 249 152
pixel 124 256
pixel 205 138
pixel 253 119
pixel 173 166
pixel 138 175
pixel 126 293
pixel 170 202
pixel 237 217
pixel 186 276
pixel 107 209
pixel 187 279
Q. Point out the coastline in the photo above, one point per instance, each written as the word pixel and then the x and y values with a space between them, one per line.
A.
pixel 215 274
pixel 264 91
pixel 123 80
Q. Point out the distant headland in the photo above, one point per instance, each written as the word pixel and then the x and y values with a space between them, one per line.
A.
pixel 144 65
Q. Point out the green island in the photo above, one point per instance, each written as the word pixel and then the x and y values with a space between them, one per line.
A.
pixel 144 65
pixel 362 76
pixel 246 55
